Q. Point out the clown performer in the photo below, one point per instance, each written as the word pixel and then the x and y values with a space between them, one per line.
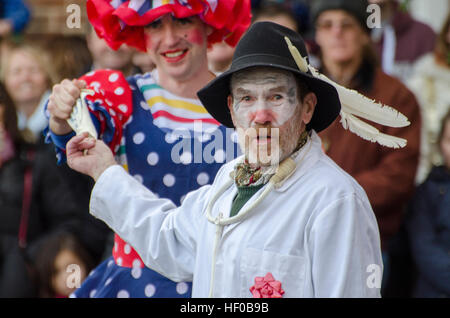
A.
pixel 154 123
pixel 282 220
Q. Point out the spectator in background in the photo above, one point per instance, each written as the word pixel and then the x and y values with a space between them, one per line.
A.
pixel 70 56
pixel 142 61
pixel 387 175
pixel 219 57
pixel 14 17
pixel 428 225
pixel 28 77
pixel 285 15
pixel 276 13
pixel 34 203
pixel 104 57
pixel 29 71
pixel 401 40
pixel 61 265
pixel 431 82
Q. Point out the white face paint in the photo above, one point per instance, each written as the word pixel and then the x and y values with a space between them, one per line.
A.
pixel 263 95
pixel 266 110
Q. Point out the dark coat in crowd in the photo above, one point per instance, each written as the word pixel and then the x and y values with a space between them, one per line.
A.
pixel 52 208
pixel 428 226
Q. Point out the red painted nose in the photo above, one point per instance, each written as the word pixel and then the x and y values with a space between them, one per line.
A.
pixel 263 116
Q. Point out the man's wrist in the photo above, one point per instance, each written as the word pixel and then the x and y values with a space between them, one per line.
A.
pixel 59 126
pixel 101 170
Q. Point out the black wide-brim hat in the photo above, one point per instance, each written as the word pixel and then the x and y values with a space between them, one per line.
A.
pixel 264 45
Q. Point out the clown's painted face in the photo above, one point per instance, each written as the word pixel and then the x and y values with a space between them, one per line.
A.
pixel 267 113
pixel 178 46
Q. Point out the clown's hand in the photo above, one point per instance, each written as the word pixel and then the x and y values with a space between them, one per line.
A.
pixel 89 156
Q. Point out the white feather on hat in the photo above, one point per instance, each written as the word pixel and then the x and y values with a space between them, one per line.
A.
pixel 354 104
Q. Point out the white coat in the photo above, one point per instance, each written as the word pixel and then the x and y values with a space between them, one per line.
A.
pixel 316 234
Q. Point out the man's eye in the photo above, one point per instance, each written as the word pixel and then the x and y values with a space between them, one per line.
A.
pixel 277 97
pixel 246 99
pixel 154 25
pixel 184 21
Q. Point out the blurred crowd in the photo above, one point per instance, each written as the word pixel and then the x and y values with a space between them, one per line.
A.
pixel 45 225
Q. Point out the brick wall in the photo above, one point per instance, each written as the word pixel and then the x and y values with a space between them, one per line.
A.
pixel 57 17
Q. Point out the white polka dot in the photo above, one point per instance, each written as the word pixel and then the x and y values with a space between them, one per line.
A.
pixel 96 85
pixel 92 293
pixel 116 247
pixel 113 77
pixel 144 105
pixel 182 288
pixel 186 158
pixel 138 138
pixel 119 91
pixel 139 178
pixel 119 261
pixel 108 281
pixel 127 249
pixel 202 178
pixel 150 290
pixel 182 198
pixel 123 294
pixel 112 112
pixel 108 102
pixel 129 120
pixel 169 180
pixel 219 156
pixel 123 108
pixel 90 73
pixel 136 272
pixel 152 158
pixel 136 263
pixel 110 262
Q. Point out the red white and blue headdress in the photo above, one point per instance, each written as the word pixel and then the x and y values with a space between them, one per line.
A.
pixel 123 21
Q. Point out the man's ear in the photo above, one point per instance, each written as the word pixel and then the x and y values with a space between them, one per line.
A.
pixel 230 106
pixel 309 105
pixel 230 103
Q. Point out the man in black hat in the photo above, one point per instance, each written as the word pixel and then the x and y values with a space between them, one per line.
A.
pixel 282 220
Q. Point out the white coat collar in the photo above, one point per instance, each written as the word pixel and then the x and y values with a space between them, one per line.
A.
pixel 305 160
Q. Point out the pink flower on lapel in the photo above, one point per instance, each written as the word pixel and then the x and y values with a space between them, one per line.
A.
pixel 267 287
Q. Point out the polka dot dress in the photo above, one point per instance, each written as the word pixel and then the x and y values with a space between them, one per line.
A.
pixel 169 144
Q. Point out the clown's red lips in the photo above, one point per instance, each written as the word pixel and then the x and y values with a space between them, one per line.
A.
pixel 174 56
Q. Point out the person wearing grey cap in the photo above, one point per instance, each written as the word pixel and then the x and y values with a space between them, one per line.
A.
pixel 283 220
pixel 347 57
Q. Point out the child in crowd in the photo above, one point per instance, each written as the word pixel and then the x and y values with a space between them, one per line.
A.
pixel 429 225
pixel 61 265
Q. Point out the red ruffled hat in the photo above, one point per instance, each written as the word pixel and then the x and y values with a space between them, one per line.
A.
pixel 123 21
